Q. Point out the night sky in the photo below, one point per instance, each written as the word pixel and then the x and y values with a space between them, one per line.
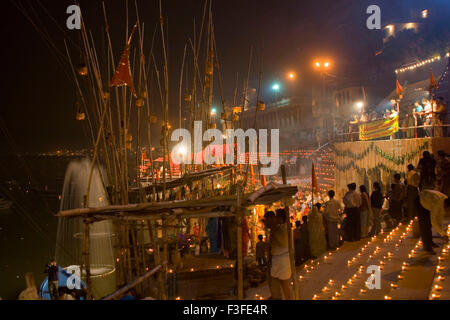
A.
pixel 38 99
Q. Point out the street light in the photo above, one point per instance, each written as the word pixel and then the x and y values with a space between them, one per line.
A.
pixel 213 111
pixel 322 66
pixel 276 88
pixel 291 75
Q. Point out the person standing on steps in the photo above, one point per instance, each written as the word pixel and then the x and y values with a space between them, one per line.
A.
pixel 412 191
pixel 352 202
pixel 280 265
pixel 376 204
pixel 332 215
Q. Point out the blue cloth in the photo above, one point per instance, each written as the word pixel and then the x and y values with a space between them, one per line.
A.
pixel 63 276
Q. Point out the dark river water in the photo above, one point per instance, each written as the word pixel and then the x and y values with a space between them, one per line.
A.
pixel 28 228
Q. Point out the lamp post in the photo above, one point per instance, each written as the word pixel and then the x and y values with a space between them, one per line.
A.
pixel 276 88
pixel 322 67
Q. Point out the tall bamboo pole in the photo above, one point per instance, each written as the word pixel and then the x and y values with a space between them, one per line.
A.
pixel 154 240
pixel 86 258
pixel 290 240
pixel 240 260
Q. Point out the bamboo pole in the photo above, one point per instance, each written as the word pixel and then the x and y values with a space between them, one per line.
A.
pixel 86 258
pixel 165 256
pixel 134 283
pixel 240 259
pixel 154 240
pixel 290 240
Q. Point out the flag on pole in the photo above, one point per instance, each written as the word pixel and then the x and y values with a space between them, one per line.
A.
pixel 433 84
pixel 122 75
pixel 252 175
pixel 315 187
pixel 398 88
pixel 263 180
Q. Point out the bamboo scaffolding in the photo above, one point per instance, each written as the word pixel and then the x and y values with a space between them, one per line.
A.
pixel 290 241
pixel 135 282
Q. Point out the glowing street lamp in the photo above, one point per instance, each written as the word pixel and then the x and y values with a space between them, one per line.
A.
pixel 291 75
pixel 213 111
pixel 276 87
pixel 322 64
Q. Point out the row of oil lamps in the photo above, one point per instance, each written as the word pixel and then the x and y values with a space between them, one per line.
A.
pixel 439 278
pixel 360 270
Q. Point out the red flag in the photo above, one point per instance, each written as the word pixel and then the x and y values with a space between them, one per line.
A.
pixel 315 188
pixel 122 76
pixel 252 174
pixel 398 88
pixel 263 180
pixel 433 84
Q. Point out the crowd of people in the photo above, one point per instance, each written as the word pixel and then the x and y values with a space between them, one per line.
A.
pixel 423 118
pixel 328 223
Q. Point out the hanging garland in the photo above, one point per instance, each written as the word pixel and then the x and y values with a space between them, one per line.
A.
pixel 372 147
pixel 371 171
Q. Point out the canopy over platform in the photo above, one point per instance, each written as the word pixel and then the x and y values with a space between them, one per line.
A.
pixel 213 207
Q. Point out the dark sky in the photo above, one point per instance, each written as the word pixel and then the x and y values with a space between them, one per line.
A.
pixel 38 99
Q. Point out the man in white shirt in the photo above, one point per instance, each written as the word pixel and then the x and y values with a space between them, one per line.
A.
pixel 428 111
pixel 437 204
pixel 332 214
pixel 352 202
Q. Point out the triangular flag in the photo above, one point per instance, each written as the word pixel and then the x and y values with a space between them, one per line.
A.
pixel 315 187
pixel 433 84
pixel 398 88
pixel 122 75
pixel 263 180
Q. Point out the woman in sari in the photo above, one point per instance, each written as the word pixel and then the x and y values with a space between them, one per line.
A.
pixel 317 240
pixel 366 212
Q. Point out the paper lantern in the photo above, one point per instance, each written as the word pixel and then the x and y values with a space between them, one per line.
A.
pixel 140 103
pixel 261 106
pixel 82 69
